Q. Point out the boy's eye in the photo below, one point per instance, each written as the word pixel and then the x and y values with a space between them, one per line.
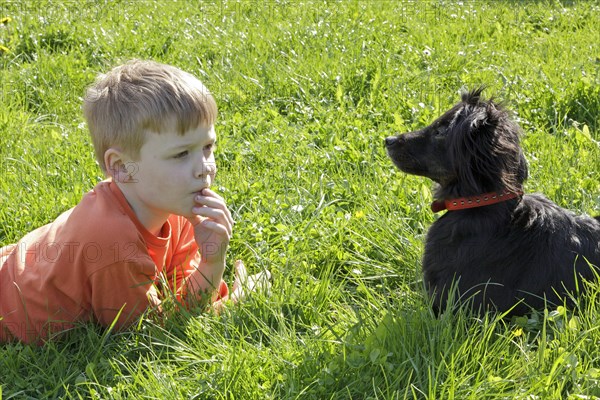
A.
pixel 209 147
pixel 181 154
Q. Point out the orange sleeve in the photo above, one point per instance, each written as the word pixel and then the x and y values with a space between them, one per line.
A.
pixel 121 292
pixel 223 292
pixel 184 260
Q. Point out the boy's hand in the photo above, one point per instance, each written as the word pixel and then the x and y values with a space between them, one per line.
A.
pixel 213 226
pixel 244 284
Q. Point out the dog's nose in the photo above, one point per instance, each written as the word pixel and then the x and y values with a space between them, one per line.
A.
pixel 390 140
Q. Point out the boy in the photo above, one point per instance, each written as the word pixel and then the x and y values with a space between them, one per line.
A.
pixel 152 227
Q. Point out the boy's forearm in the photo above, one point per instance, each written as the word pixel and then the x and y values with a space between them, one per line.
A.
pixel 206 278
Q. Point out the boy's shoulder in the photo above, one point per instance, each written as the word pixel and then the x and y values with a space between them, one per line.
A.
pixel 95 233
pixel 99 218
pixel 106 215
pixel 101 230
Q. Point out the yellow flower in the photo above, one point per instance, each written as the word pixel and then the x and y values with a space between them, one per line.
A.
pixel 517 332
pixel 5 20
pixel 4 49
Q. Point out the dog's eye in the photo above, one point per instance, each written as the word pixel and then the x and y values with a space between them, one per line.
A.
pixel 441 131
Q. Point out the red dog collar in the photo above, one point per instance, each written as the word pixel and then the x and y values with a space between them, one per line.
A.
pixel 482 200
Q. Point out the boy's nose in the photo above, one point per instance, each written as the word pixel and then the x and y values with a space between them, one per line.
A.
pixel 210 168
pixel 207 169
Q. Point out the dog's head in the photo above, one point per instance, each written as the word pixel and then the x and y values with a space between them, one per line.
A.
pixel 472 149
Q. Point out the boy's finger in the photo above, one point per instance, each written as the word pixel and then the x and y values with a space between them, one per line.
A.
pixel 209 193
pixel 241 274
pixel 240 278
pixel 260 281
pixel 210 226
pixel 195 219
pixel 217 216
pixel 237 294
pixel 216 203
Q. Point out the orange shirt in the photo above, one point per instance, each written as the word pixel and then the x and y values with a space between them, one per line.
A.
pixel 95 262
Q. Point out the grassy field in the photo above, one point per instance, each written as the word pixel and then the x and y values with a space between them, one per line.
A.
pixel 307 92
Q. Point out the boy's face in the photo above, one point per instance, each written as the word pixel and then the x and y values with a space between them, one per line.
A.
pixel 170 171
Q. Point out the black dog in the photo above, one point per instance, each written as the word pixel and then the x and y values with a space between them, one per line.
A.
pixel 495 247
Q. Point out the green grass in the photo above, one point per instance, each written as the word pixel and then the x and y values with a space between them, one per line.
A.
pixel 307 91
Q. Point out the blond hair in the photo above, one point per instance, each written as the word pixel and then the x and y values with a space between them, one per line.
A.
pixel 140 96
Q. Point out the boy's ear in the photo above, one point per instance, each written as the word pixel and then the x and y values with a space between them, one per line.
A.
pixel 116 164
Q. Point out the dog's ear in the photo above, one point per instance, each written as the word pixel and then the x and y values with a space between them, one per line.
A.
pixel 472 97
pixel 484 148
pixel 522 170
pixel 472 111
pixel 471 120
pixel 477 118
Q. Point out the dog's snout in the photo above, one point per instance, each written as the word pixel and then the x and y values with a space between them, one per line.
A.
pixel 391 140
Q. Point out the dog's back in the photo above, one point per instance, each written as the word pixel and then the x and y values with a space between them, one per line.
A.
pixel 529 251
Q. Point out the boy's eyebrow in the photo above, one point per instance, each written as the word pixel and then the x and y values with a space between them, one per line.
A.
pixel 211 140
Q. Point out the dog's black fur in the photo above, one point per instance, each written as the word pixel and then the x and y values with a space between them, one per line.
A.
pixel 510 256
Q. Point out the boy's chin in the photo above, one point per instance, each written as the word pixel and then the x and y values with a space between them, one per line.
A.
pixel 183 213
pixel 188 215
